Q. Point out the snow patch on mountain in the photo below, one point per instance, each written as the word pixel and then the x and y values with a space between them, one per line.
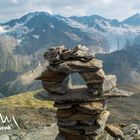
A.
pixel 36 36
pixel 52 26
pixel 2 30
pixel 73 36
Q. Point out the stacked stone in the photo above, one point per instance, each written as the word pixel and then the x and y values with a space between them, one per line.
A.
pixel 81 113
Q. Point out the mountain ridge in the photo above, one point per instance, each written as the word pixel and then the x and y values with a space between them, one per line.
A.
pixel 23 42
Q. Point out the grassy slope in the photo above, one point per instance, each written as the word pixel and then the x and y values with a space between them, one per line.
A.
pixel 25 100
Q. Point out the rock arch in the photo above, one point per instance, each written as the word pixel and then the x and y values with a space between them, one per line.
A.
pixel 81 111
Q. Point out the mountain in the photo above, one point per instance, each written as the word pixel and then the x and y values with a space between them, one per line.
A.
pixel 133 21
pixel 23 42
pixel 97 22
pixel 39 30
pixel 118 35
pixel 125 64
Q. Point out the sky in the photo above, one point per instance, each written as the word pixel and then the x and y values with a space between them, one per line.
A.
pixel 112 9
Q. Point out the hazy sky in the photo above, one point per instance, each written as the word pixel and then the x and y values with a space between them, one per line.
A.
pixel 119 9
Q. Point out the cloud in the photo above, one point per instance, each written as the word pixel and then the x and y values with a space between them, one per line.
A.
pixel 108 8
pixel 14 1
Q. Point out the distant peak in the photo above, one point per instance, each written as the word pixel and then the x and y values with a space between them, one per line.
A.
pixel 137 15
pixel 40 13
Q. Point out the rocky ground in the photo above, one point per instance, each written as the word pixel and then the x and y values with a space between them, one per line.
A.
pixel 39 123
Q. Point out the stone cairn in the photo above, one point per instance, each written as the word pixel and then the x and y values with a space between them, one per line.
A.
pixel 81 113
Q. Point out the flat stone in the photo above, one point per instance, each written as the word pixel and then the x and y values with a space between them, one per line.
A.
pixel 63 105
pixel 80 116
pixel 87 122
pixel 115 93
pixel 102 118
pixel 96 130
pixel 52 76
pixel 114 131
pixel 85 127
pixel 65 113
pixel 66 123
pixel 71 131
pixel 73 66
pixel 69 136
pixel 57 87
pixel 92 107
pixel 81 94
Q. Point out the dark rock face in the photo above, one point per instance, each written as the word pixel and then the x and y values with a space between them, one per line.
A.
pixel 81 110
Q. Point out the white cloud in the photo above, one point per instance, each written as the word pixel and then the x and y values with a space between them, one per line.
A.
pixel 14 1
pixel 108 8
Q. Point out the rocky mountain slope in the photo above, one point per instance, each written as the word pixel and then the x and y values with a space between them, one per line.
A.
pixel 133 21
pixel 125 64
pixel 23 42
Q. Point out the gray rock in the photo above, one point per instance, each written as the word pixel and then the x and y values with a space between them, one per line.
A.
pixel 57 87
pixel 63 105
pixel 109 83
pixel 102 118
pixel 115 93
pixel 71 131
pixel 80 51
pixel 78 116
pixel 93 77
pixel 52 76
pixel 66 123
pixel 54 54
pixel 88 122
pixel 114 131
pixel 81 94
pixel 73 66
pixel 65 113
